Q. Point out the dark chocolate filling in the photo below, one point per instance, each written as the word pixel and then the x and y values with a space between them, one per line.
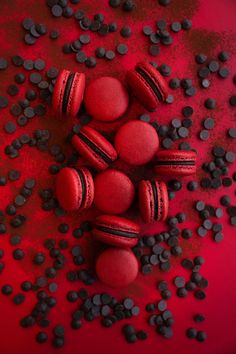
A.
pixel 179 163
pixel 67 92
pixel 92 146
pixel 155 197
pixel 82 179
pixel 117 232
pixel 150 83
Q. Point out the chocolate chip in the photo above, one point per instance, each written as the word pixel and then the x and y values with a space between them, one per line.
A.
pixel 154 50
pixel 54 34
pixel 125 32
pixel 81 57
pixel 28 64
pixel 223 56
pixel 232 100
pixel 174 83
pixel 186 24
pixel 200 58
pixel 29 39
pixel 201 336
pixel 12 90
pixel 176 26
pixel 224 73
pixel 210 103
pixel 204 135
pixel 110 55
pixel 122 48
pixel 10 127
pixel 27 23
pixel 56 11
pixel 3 102
pixel 191 333
pixel 90 62
pixel 213 66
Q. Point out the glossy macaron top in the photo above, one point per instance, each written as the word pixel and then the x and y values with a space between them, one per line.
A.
pixel 106 99
pixel 153 200
pixel 95 149
pixel 116 230
pixel 68 92
pixel 148 85
pixel 179 162
pixel 74 188
pixel 117 267
pixel 136 142
pixel 114 192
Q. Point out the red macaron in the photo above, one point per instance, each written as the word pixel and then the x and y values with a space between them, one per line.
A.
pixel 116 231
pixel 147 85
pixel 114 192
pixel 153 201
pixel 136 142
pixel 74 188
pixel 117 267
pixel 68 92
pixel 94 148
pixel 106 99
pixel 176 162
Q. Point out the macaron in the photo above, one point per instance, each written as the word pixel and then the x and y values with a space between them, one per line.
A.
pixel 74 188
pixel 153 201
pixel 68 92
pixel 116 231
pixel 106 99
pixel 175 162
pixel 147 85
pixel 94 148
pixel 114 192
pixel 136 142
pixel 117 267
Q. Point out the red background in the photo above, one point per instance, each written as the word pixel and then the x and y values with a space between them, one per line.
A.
pixel 213 30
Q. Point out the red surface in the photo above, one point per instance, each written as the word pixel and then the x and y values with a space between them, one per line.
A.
pixel 213 29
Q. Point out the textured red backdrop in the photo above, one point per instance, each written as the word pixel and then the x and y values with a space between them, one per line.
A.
pixel 213 29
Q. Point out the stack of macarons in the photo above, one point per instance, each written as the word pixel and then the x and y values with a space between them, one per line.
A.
pixel 111 191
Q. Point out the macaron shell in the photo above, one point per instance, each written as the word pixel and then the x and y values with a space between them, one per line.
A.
pixel 163 200
pixel 176 155
pixel 116 223
pixel 69 189
pixel 89 155
pixel 89 190
pixel 146 201
pixel 114 192
pixel 141 88
pixel 106 99
pixel 136 142
pixel 59 89
pixel 76 94
pixel 117 267
pixel 156 77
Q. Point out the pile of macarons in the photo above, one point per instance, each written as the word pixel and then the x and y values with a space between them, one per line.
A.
pixel 136 143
